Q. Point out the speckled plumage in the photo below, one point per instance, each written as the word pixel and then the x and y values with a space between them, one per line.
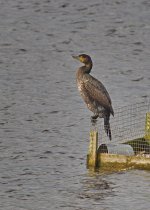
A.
pixel 93 92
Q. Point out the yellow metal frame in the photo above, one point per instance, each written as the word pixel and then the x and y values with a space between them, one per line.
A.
pixel 100 160
pixel 147 127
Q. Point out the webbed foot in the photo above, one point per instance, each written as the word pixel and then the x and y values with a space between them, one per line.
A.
pixel 94 119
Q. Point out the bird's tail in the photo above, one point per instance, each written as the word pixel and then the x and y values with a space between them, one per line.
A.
pixel 107 126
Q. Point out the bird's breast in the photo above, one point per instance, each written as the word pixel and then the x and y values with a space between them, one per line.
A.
pixel 80 86
pixel 80 83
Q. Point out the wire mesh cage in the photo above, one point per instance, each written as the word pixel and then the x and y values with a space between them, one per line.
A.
pixel 129 126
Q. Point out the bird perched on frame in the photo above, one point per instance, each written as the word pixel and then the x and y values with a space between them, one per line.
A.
pixel 93 93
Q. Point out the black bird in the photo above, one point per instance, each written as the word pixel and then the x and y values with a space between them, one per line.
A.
pixel 93 93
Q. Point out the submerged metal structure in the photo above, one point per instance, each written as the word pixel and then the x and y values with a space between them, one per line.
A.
pixel 130 145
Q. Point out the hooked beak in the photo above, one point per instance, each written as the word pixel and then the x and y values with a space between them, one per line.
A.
pixel 76 57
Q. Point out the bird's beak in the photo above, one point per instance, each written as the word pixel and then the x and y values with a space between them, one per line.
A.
pixel 76 57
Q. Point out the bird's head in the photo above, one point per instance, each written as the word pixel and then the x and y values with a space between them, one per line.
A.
pixel 83 58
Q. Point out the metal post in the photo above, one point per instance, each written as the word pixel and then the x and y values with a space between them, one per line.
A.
pixel 147 127
pixel 92 153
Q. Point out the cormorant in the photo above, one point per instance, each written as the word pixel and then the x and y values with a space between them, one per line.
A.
pixel 93 93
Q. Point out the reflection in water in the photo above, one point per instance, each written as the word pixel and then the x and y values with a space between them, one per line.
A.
pixel 95 187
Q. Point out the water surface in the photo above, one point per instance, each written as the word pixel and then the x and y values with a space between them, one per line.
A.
pixel 44 125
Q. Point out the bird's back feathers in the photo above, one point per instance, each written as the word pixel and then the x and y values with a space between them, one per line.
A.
pixel 97 92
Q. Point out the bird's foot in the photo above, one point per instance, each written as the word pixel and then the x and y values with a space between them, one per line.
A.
pixel 94 120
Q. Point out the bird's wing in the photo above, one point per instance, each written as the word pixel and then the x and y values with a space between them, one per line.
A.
pixel 97 92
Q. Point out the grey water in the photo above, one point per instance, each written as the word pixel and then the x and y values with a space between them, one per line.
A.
pixel 44 124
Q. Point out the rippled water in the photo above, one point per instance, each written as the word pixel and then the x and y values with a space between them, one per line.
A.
pixel 44 124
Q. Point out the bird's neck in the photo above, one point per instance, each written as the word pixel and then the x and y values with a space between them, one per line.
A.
pixel 87 68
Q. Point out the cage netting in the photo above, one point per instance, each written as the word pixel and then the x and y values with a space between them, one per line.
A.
pixel 128 126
